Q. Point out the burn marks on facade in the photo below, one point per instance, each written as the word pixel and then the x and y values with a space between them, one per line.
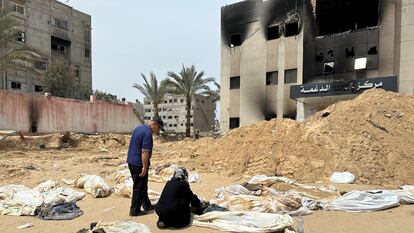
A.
pixel 276 17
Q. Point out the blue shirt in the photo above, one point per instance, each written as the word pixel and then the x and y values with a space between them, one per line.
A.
pixel 141 140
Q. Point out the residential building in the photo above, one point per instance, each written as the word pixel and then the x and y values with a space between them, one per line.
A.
pixel 56 30
pixel 291 58
pixel 173 112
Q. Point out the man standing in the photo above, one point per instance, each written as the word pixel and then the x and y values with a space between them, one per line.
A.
pixel 139 155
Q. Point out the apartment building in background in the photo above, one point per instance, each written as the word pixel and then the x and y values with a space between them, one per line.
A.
pixel 57 31
pixel 291 58
pixel 173 112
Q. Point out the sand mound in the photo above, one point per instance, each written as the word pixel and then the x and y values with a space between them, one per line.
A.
pixel 371 136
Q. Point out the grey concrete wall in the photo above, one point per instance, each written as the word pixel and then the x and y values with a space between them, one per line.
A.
pixel 38 26
pixel 405 45
pixel 253 64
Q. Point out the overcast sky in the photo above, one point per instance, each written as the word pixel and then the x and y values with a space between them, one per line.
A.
pixel 135 36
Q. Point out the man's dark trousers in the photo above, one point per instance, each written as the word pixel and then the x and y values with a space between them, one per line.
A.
pixel 139 190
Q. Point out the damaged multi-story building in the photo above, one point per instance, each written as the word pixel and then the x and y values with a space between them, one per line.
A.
pixel 56 30
pixel 291 58
pixel 173 112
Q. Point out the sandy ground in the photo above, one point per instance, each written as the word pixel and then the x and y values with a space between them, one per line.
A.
pixel 70 164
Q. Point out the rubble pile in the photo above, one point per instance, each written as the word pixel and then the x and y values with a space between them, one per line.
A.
pixel 371 136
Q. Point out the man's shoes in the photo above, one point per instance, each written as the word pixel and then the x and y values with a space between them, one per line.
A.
pixel 160 225
pixel 149 208
pixel 136 214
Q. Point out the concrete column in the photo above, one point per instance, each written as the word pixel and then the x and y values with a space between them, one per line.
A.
pixel 281 77
pixel 300 111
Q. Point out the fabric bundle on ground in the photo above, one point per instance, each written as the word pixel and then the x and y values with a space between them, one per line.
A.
pixel 63 211
pixel 244 221
pixel 125 190
pixel 19 200
pixel 94 185
pixel 342 178
pixel 62 195
pixel 364 201
pixel 46 186
pixel 117 227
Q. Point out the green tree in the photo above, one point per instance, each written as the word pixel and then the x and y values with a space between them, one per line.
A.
pixel 60 79
pixel 102 95
pixel 188 83
pixel 214 95
pixel 13 55
pixel 152 91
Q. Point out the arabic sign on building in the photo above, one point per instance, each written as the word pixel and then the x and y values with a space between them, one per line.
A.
pixel 342 87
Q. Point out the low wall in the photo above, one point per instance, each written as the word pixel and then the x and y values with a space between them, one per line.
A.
pixel 30 113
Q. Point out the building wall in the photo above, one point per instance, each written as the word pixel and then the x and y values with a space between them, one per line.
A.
pixel 255 101
pixel 173 113
pixel 38 25
pixel 405 45
pixel 20 112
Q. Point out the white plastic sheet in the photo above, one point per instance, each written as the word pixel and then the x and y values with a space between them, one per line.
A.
pixel 62 195
pixel 18 200
pixel 94 185
pixel 122 227
pixel 364 201
pixel 342 178
pixel 244 221
pixel 46 186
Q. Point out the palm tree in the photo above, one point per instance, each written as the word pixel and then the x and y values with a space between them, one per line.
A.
pixel 12 55
pixel 152 92
pixel 214 95
pixel 188 83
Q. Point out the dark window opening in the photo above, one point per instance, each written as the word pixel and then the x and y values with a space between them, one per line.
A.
pixel 169 117
pixel 16 85
pixel 335 16
pixel 192 124
pixel 329 67
pixel 273 33
pixel 60 46
pixel 170 101
pixel 175 100
pixel 77 72
pixel 350 52
pixel 148 110
pixel 166 102
pixel 87 53
pixel 291 76
pixel 271 78
pixel 38 88
pixel 291 29
pixel 40 65
pixel 270 116
pixel 234 122
pixel 182 124
pixel 60 23
pixel 235 82
pixel 235 40
pixel 163 117
pixel 170 125
pixel 372 50
pixel 175 125
pixel 21 37
pixel 181 100
pixel 175 117
pixel 319 57
pixel 331 52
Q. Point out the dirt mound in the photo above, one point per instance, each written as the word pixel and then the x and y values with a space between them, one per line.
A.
pixel 371 136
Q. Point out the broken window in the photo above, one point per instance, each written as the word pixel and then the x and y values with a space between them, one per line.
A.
pixel 16 85
pixel 350 52
pixel 175 125
pixel 77 71
pixel 291 76
pixel 234 122
pixel 235 40
pixel 271 78
pixel 372 50
pixel 235 82
pixel 181 100
pixel 273 33
pixel 169 117
pixel 291 29
pixel 14 7
pixel 61 23
pixel 40 65
pixel 60 46
pixel 170 125
pixel 328 67
pixel 21 37
pixel 38 88
pixel 335 16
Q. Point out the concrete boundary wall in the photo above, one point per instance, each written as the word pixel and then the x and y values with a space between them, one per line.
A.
pixel 46 114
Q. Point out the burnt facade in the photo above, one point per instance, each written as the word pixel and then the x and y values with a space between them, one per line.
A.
pixel 274 50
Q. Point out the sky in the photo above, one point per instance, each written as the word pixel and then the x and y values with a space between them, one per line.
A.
pixel 130 37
